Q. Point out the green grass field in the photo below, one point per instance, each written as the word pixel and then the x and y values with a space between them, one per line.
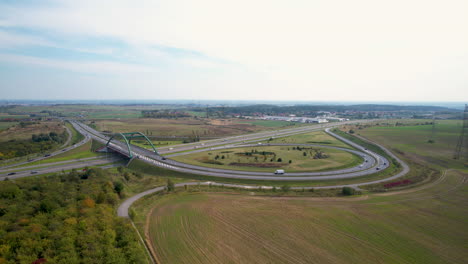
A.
pixel 265 158
pixel 411 142
pixel 76 137
pixel 318 137
pixel 424 226
pixel 156 143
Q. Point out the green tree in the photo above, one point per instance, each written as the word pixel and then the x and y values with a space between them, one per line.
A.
pixel 347 191
pixel 118 187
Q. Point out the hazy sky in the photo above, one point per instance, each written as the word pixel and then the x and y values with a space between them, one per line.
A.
pixel 313 50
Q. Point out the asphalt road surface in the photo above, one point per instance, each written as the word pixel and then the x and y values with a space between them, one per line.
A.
pixel 60 151
pixel 57 168
pixel 157 160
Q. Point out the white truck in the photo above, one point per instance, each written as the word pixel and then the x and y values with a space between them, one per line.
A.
pixel 279 172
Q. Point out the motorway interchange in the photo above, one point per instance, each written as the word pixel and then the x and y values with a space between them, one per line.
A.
pixel 372 162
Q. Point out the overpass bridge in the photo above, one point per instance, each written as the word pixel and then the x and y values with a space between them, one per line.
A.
pixel 125 148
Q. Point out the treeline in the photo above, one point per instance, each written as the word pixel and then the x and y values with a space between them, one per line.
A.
pixel 314 109
pixel 163 114
pixel 67 218
pixel 37 144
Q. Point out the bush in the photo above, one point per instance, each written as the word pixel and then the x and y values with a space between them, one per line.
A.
pixel 170 185
pixel 127 176
pixel 285 188
pixel 348 191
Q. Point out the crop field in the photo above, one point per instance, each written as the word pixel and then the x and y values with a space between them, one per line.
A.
pixel 269 123
pixel 269 158
pixel 422 226
pixel 10 116
pixel 318 137
pixel 412 142
pixel 6 125
pixel 187 127
pixel 19 132
pixel 89 111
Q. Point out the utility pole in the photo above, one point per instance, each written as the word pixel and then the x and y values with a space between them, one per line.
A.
pixel 433 128
pixel 462 140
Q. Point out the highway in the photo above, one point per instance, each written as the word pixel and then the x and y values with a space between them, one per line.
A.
pixel 374 161
pixel 122 211
pixel 62 149
pixel 47 168
pixel 160 161
pixel 248 138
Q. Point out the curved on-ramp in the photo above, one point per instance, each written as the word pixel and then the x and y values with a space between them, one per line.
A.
pixel 123 209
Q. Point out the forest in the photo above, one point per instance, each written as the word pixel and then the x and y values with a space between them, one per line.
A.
pixel 67 218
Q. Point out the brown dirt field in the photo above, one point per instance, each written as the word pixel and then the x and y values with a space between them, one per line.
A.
pixel 423 225
pixel 179 127
pixel 17 132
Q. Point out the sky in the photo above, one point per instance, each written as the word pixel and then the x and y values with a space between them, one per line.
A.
pixel 314 50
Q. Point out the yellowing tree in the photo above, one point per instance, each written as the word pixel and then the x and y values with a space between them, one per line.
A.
pixel 89 203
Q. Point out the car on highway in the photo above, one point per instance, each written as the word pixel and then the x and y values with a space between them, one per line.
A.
pixel 11 173
pixel 34 172
pixel 47 155
pixel 279 172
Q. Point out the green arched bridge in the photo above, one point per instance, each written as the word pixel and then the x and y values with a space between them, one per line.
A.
pixel 127 137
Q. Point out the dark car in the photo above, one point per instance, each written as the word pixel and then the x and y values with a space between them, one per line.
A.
pixel 47 155
pixel 11 173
